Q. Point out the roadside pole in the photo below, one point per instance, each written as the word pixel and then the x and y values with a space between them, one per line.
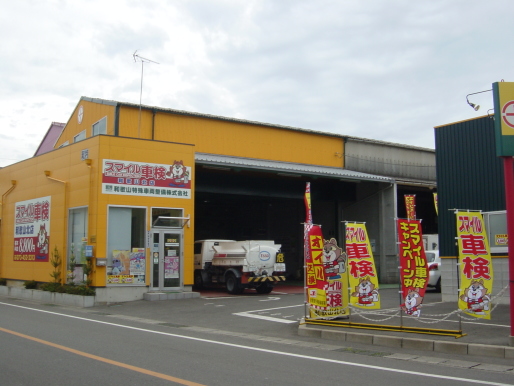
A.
pixel 508 171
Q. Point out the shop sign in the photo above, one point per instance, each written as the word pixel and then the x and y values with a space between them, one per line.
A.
pixel 146 179
pixel 32 230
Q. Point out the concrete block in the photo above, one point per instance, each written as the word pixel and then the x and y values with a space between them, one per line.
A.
pixel 486 350
pixel 388 341
pixel 359 338
pixel 303 330
pixel 418 344
pixel 333 335
pixel 451 347
pixel 152 296
pixel 170 296
pixel 509 352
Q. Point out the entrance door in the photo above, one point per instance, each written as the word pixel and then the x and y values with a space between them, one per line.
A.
pixel 167 259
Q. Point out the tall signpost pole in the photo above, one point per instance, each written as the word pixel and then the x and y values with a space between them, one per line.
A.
pixel 503 95
pixel 508 170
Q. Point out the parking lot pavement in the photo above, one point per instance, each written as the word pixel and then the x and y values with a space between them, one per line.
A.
pixel 280 289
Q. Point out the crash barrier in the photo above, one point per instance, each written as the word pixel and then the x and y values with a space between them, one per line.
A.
pixel 388 314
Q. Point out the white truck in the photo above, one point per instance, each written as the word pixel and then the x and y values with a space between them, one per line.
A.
pixel 238 265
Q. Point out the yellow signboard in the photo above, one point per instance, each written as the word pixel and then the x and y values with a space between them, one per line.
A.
pixel 476 268
pixel 362 275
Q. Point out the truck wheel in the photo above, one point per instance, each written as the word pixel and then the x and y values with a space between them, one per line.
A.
pixel 264 288
pixel 198 281
pixel 233 284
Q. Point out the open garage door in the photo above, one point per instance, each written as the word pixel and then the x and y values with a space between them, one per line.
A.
pixel 244 199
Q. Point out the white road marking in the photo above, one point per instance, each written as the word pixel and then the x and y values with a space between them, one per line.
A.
pixel 301 356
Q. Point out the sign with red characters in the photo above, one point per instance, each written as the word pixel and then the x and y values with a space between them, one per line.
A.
pixel 32 230
pixel 413 265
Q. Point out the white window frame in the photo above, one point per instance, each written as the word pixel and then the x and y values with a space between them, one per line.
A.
pixel 80 136
pixel 104 131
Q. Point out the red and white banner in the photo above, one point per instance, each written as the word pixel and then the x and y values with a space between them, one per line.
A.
pixel 413 266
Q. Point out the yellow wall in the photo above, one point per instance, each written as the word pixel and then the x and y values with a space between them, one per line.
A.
pixel 93 112
pixel 209 135
pixel 234 138
pixel 82 187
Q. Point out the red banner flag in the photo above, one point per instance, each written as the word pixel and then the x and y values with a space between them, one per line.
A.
pixel 413 266
pixel 410 206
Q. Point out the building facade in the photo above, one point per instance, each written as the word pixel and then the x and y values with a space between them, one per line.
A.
pixel 135 186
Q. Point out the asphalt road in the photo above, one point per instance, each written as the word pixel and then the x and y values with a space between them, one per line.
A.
pixel 213 340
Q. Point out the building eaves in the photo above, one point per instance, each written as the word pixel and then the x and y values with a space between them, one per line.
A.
pixel 222 161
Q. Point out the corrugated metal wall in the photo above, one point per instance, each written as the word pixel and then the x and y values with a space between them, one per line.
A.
pixel 469 174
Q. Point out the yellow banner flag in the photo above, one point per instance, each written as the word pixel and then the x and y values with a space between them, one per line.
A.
pixel 476 268
pixel 362 275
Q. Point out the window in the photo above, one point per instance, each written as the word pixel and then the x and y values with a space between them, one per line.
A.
pixel 77 240
pixel 64 144
pixel 100 127
pixel 80 136
pixel 126 253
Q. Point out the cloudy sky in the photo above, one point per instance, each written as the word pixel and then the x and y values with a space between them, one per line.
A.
pixel 385 70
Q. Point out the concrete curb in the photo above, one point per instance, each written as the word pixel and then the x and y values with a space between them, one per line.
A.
pixel 474 349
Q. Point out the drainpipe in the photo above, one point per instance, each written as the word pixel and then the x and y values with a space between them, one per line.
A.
pixel 65 254
pixel 13 183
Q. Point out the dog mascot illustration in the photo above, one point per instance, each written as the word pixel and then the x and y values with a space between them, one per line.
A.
pixel 334 259
pixel 413 302
pixel 42 240
pixel 476 297
pixel 178 172
pixel 366 292
pixel 117 266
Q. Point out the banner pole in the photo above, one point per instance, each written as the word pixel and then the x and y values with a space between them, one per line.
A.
pixel 508 174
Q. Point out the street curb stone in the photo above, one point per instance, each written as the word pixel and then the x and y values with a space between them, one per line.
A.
pixel 388 341
pixel 418 344
pixel 486 350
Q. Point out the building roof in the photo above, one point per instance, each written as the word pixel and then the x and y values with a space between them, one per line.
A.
pixel 285 168
pixel 50 138
pixel 248 122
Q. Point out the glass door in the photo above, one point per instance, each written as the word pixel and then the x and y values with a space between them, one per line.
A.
pixel 167 259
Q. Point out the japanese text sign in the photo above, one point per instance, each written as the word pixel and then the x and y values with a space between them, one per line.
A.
pixel 146 179
pixel 362 275
pixel 476 268
pixel 32 230
pixel 410 206
pixel 413 265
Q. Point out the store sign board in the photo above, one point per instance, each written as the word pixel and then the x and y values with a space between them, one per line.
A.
pixel 503 95
pixel 146 179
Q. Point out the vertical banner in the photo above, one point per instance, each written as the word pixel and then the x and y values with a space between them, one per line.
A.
pixel 413 266
pixel 325 262
pixel 326 283
pixel 435 203
pixel 307 199
pixel 476 268
pixel 363 278
pixel 410 206
pixel 32 230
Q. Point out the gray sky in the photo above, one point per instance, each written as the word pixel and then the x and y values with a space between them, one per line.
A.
pixel 385 70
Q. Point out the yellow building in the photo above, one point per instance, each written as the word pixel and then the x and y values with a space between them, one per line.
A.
pixel 134 186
